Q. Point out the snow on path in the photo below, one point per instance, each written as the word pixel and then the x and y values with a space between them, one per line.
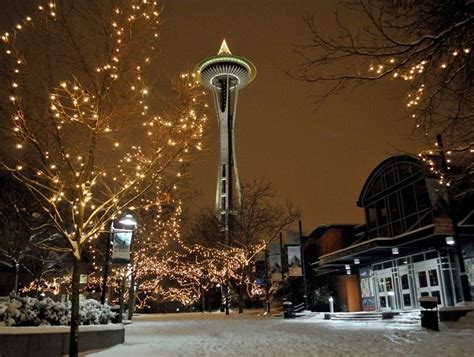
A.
pixel 214 334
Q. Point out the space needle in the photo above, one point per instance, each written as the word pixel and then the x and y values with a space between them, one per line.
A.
pixel 224 74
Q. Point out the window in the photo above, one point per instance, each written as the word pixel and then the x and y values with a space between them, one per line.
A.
pixel 384 231
pixel 378 185
pixel 404 170
pixel 404 280
pixel 381 285
pixel 223 186
pixel 406 205
pixel 388 284
pixel 394 207
pixel 390 178
pixel 383 301
pixel 223 171
pixel 381 212
pixel 422 196
pixel 371 216
pixel 402 261
pixel 408 200
pixel 418 258
pixel 406 300
pixel 397 228
pixel 436 295
pixel 433 277
pixel 422 281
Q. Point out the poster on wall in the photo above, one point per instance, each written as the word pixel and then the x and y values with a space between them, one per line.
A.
pixel 366 291
pixel 121 247
pixel 294 261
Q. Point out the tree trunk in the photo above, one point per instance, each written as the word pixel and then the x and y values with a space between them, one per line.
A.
pixel 203 300
pixel 74 331
pixel 241 298
pixel 227 297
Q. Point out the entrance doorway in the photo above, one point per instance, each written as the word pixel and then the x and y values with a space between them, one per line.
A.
pixel 428 282
pixel 385 290
pixel 406 295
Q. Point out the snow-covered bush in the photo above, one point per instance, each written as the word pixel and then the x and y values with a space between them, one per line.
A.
pixel 93 313
pixel 3 306
pixel 28 311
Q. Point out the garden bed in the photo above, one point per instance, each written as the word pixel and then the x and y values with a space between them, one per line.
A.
pixel 50 341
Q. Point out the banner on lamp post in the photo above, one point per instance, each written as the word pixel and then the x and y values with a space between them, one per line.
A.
pixel 294 260
pixel 274 255
pixel 121 246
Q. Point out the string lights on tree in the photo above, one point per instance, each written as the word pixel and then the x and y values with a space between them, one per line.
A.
pixel 88 143
pixel 428 46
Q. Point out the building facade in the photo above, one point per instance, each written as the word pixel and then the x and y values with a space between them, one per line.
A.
pixel 416 241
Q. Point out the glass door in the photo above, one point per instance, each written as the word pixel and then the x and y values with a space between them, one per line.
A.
pixel 385 292
pixel 405 290
pixel 428 284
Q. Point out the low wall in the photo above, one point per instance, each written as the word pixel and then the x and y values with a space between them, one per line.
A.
pixel 50 341
pixel 453 314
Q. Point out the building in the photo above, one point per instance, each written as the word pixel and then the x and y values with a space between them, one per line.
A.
pixel 416 241
pixel 224 74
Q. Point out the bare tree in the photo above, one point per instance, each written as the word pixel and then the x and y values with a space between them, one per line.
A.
pixel 88 143
pixel 258 220
pixel 16 220
pixel 427 44
pixel 23 232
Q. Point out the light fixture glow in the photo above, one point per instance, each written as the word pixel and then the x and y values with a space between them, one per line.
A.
pixel 450 240
pixel 395 251
pixel 128 220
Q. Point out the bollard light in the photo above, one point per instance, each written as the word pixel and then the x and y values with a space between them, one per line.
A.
pixel 331 304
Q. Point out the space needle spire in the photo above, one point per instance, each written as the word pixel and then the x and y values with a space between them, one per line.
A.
pixel 224 74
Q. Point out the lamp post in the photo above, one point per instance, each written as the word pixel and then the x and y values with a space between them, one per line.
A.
pixel 126 221
pixel 303 263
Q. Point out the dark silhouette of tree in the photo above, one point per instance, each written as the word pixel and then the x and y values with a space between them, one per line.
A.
pixel 427 44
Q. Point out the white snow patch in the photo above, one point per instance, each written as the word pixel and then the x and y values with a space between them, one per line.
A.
pixel 254 334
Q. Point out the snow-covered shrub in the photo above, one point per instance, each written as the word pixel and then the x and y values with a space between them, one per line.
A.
pixel 55 313
pixel 93 313
pixel 28 311
pixel 3 306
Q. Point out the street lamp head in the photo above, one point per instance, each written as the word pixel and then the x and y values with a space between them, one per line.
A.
pixel 128 220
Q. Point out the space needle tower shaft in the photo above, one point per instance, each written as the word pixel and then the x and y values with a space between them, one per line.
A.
pixel 224 75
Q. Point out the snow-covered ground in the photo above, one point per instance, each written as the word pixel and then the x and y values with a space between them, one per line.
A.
pixel 253 334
